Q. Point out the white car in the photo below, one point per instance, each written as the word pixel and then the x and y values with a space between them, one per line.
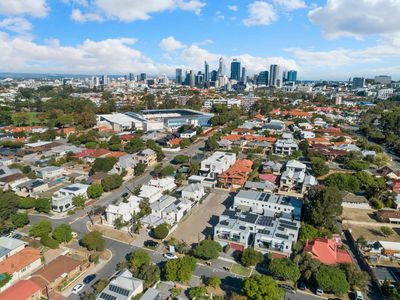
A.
pixel 319 292
pixel 170 256
pixel 78 288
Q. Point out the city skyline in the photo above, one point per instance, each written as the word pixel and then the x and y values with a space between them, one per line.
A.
pixel 95 37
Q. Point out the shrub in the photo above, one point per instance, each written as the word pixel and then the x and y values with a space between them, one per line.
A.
pixel 49 242
pixel 161 231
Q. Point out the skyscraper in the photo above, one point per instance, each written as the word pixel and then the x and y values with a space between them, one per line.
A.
pixel 243 78
pixel 358 82
pixel 235 70
pixel 206 71
pixel 104 80
pixel 131 77
pixel 291 76
pixel 221 68
pixel 191 78
pixel 214 75
pixel 262 78
pixel 178 76
pixel 274 76
pixel 143 76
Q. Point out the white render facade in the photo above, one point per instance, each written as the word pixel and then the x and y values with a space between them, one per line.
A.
pixel 62 199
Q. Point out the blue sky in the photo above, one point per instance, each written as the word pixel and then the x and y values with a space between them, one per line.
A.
pixel 324 39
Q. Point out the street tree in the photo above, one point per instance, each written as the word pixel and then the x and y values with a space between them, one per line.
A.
pixel 251 257
pixel 180 269
pixel 20 219
pixel 161 231
pixel 79 201
pixel 207 249
pixel 261 287
pixel 285 269
pixel 95 191
pixel 332 280
pixel 93 241
pixel 62 233
pixel 40 229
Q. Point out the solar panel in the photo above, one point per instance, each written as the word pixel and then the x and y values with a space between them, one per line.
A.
pixel 282 236
pixel 118 290
pixel 106 296
pixel 288 226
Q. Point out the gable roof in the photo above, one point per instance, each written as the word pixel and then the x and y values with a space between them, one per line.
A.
pixel 327 252
pixel 19 260
pixel 22 290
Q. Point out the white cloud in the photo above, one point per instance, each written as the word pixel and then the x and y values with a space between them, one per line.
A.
pixel 233 7
pixel 343 18
pixel 20 54
pixel 290 5
pixel 34 8
pixel 260 13
pixel 16 24
pixel 133 10
pixel 170 44
pixel 80 17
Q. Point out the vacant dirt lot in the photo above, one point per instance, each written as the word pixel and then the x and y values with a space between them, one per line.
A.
pixel 374 234
pixel 199 224
pixel 112 233
pixel 355 214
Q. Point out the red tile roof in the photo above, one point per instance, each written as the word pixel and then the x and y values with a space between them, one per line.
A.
pixel 19 260
pixel 248 137
pixel 22 290
pixel 268 177
pixel 116 154
pixel 175 141
pixel 327 251
pixel 238 173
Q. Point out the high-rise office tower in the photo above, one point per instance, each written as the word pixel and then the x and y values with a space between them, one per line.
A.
pixel 235 70
pixel 131 77
pixel 243 77
pixel 143 76
pixel 178 76
pixel 274 76
pixel 358 82
pixel 206 71
pixel 214 75
pixel 221 67
pixel 191 78
pixel 262 78
pixel 291 76
pixel 104 80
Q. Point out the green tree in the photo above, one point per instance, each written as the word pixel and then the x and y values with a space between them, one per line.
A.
pixel 251 257
pixel 214 282
pixel 319 166
pixel 87 118
pixel 207 249
pixel 145 208
pixel 79 201
pixel 307 265
pixel 8 205
pixel 212 143
pixel 161 231
pixel 20 219
pixel 199 293
pixel 261 287
pixel 167 171
pixel 387 231
pixel 119 223
pixel 357 279
pixel 93 241
pixel 139 169
pixel 26 203
pixel 43 205
pixel 185 143
pixel 135 145
pixel 180 269
pixel 40 229
pixel 103 164
pixel 323 205
pixel 332 280
pixel 49 242
pixel 138 259
pixel 194 168
pixel 180 159
pixel 62 233
pixel 95 191
pixel 307 232
pixel 111 182
pixel 285 269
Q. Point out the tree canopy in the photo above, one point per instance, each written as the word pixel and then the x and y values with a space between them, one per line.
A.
pixel 261 287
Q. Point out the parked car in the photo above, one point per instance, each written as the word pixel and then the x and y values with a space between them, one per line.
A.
pixel 302 285
pixel 17 236
pixel 170 256
pixel 287 288
pixel 359 296
pixel 78 288
pixel 125 195
pixel 319 292
pixel 88 279
pixel 150 244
